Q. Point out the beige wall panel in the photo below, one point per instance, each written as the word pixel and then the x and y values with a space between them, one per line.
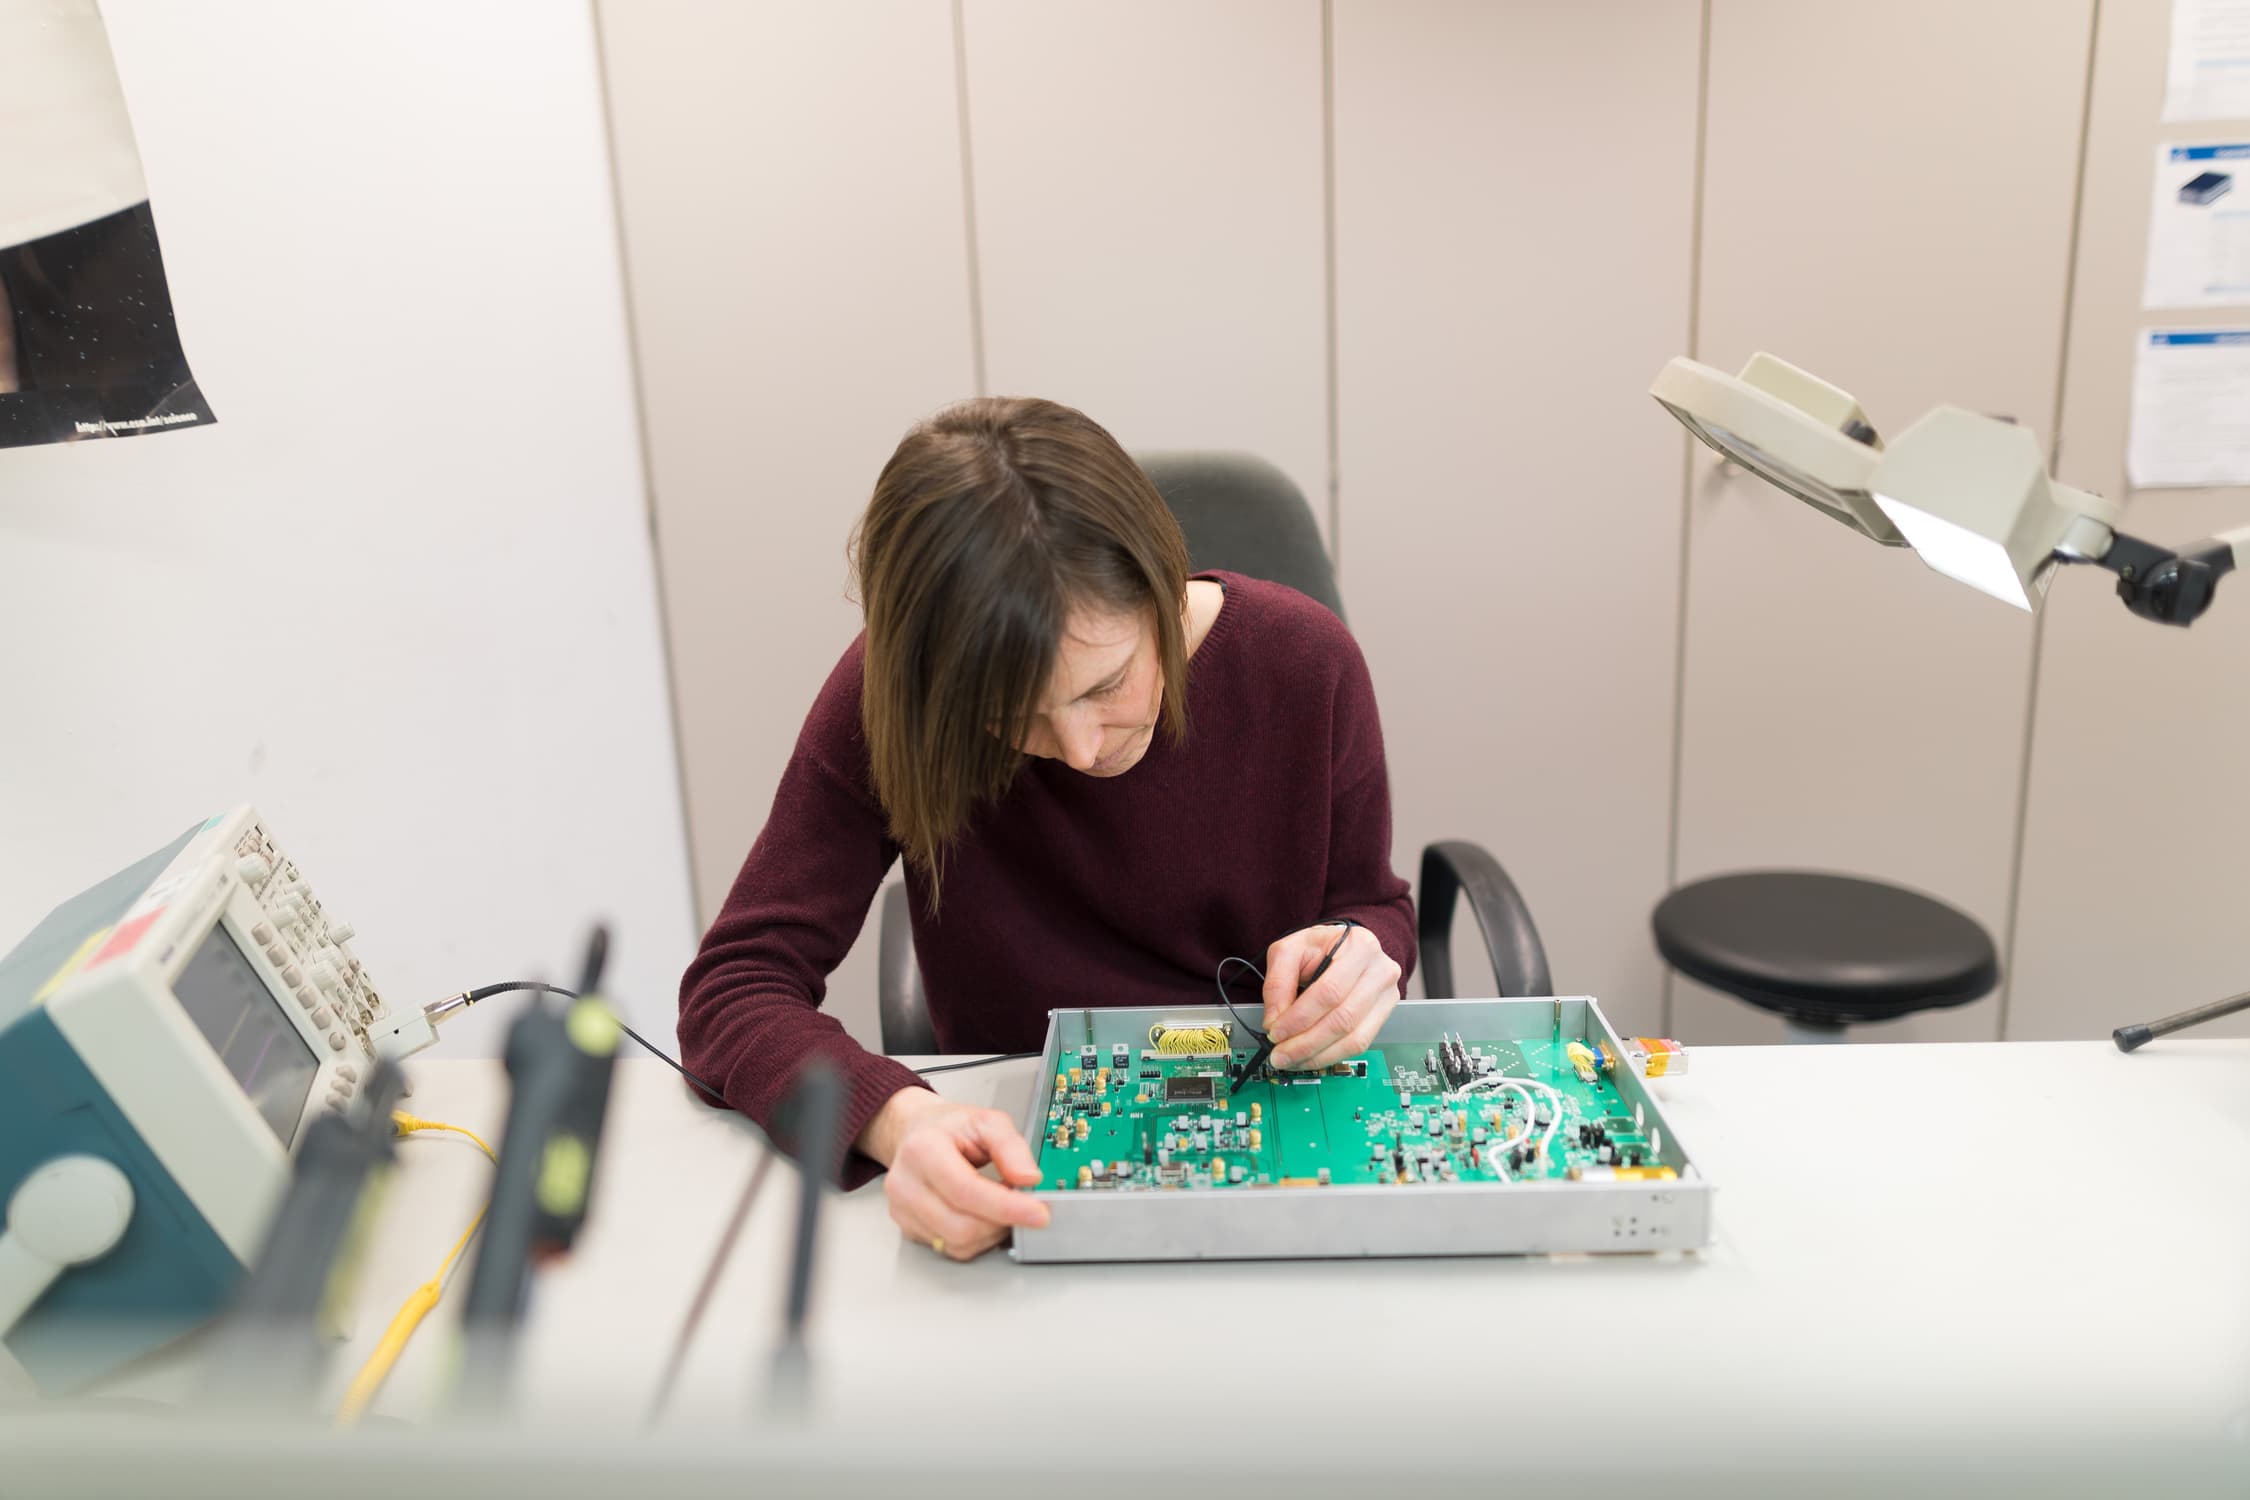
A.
pixel 1887 203
pixel 1149 218
pixel 791 186
pixel 2134 903
pixel 1514 208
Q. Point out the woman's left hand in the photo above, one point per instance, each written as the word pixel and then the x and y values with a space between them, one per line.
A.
pixel 1339 1015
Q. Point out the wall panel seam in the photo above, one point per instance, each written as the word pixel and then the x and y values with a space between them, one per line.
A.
pixel 648 460
pixel 1328 276
pixel 2054 459
pixel 969 195
pixel 1687 475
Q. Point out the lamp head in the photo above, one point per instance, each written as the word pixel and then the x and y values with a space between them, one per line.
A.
pixel 1793 430
pixel 1971 494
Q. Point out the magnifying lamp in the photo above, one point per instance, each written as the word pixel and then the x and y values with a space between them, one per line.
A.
pixel 1969 493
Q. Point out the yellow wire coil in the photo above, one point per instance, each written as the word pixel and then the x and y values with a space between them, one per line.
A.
pixel 1188 1041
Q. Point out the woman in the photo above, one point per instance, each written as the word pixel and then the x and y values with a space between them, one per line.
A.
pixel 1104 777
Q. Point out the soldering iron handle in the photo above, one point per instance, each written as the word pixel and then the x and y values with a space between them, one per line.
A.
pixel 2130 1037
pixel 820 1111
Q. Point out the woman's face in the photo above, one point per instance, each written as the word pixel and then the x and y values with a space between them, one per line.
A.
pixel 1100 708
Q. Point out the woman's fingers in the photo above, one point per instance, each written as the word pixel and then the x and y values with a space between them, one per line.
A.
pixel 995 1136
pixel 1293 960
pixel 937 1195
pixel 928 1219
pixel 1320 1001
pixel 965 1190
pixel 1319 1032
pixel 1367 1009
pixel 1288 961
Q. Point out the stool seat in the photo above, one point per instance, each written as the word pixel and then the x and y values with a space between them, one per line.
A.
pixel 1825 950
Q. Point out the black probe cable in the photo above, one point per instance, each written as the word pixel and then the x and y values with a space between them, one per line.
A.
pixel 486 992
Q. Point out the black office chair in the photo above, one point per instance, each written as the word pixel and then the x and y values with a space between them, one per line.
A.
pixel 1825 951
pixel 1242 514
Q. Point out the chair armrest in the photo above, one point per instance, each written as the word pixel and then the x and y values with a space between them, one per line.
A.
pixel 1519 961
pixel 904 1009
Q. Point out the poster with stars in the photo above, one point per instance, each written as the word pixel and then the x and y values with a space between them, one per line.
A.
pixel 89 345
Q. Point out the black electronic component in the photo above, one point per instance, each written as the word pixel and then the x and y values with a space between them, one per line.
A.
pixel 1636 1156
pixel 1455 1056
pixel 1200 1087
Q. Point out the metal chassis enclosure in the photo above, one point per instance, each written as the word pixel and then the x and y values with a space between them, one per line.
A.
pixel 1453 1218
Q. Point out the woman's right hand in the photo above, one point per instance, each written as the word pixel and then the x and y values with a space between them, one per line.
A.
pixel 938 1198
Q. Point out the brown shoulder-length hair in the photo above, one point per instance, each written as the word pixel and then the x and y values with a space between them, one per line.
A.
pixel 993 521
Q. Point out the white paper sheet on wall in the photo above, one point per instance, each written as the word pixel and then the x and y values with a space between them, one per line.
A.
pixel 2209 75
pixel 2191 408
pixel 2199 226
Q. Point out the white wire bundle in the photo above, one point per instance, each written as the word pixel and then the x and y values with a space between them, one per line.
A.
pixel 1501 1083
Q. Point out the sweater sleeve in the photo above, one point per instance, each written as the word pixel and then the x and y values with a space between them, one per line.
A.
pixel 1361 883
pixel 750 1016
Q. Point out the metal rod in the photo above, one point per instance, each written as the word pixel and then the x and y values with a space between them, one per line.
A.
pixel 2130 1037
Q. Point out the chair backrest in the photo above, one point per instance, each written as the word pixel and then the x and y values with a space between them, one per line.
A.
pixel 1242 514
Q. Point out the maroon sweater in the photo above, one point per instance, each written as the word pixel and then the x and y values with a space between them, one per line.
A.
pixel 1071 890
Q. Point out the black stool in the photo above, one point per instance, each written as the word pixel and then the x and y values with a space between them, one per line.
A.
pixel 1825 951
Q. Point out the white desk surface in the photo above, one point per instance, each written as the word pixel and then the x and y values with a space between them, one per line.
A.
pixel 1991 1249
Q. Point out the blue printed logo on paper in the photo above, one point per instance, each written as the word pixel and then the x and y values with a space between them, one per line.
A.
pixel 2211 153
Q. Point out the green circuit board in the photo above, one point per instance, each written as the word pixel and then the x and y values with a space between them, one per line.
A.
pixel 1149 1119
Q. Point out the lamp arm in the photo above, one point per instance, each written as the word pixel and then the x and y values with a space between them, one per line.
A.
pixel 2157 583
